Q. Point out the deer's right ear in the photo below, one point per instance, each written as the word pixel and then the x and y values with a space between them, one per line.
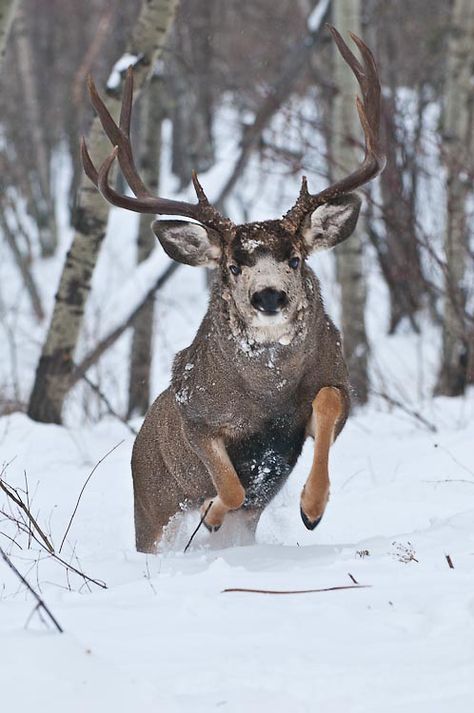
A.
pixel 189 243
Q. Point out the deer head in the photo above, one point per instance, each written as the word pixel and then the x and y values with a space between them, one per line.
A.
pixel 262 265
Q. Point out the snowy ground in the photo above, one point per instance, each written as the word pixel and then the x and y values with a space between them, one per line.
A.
pixel 165 635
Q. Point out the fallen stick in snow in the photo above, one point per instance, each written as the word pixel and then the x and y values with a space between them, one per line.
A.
pixel 449 561
pixel 296 591
pixel 40 603
pixel 197 528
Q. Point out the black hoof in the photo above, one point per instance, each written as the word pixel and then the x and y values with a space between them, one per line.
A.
pixel 211 528
pixel 307 522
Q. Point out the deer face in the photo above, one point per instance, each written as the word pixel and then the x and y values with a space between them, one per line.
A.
pixel 262 275
pixel 262 265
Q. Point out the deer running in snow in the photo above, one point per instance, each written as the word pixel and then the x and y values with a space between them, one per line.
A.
pixel 266 369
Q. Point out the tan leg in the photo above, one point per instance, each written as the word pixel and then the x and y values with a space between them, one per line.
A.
pixel 327 410
pixel 230 492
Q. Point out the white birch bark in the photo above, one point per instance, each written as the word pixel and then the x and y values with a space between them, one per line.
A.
pixel 457 144
pixel 346 155
pixel 56 364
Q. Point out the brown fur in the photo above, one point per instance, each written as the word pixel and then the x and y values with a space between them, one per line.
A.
pixel 235 405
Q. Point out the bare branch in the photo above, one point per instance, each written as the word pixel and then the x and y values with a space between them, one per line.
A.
pixel 40 602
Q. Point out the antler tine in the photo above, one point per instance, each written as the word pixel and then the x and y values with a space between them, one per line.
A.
pixel 347 54
pixel 140 204
pixel 119 135
pixel 108 124
pixel 144 201
pixel 89 168
pixel 368 109
pixel 201 196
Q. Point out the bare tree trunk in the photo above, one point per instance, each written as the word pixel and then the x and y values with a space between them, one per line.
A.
pixel 42 205
pixel 56 364
pixel 8 10
pixel 192 92
pixel 457 131
pixel 141 353
pixel 345 155
pixel 399 249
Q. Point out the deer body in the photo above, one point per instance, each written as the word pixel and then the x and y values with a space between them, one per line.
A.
pixel 255 398
pixel 265 369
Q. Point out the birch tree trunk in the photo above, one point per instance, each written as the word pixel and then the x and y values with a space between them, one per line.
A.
pixel 56 364
pixel 141 352
pixel 345 155
pixel 8 9
pixel 457 142
pixel 42 204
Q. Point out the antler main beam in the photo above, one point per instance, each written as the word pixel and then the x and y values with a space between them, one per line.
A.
pixel 368 109
pixel 144 201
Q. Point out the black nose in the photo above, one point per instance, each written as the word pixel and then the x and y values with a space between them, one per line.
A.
pixel 269 301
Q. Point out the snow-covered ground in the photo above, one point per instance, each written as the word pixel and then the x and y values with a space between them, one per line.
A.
pixel 164 636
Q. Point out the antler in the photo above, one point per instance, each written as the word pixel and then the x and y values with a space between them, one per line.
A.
pixel 144 201
pixel 369 115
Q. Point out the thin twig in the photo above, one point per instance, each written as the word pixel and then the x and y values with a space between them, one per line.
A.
pixel 93 356
pixel 450 480
pixel 197 528
pixel 28 505
pixel 14 495
pixel 410 412
pixel 11 539
pixel 23 527
pixel 97 390
pixel 449 561
pixel 296 591
pixel 82 491
pixel 351 576
pixel 40 603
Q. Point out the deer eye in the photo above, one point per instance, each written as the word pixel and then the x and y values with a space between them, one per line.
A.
pixel 293 262
pixel 235 269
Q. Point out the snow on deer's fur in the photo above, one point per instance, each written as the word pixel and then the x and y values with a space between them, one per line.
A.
pixel 265 369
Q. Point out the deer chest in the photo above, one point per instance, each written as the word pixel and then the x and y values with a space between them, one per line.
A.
pixel 264 460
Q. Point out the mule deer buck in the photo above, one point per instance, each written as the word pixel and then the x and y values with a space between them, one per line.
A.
pixel 265 369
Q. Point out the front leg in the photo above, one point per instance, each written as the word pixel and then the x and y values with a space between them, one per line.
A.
pixel 230 492
pixel 328 407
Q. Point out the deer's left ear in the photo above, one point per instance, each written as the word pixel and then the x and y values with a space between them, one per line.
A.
pixel 189 243
pixel 331 223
